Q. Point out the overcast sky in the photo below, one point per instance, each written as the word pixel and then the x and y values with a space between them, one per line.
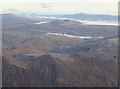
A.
pixel 60 6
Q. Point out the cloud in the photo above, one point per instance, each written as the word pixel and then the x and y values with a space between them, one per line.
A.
pixel 11 9
pixel 61 8
pixel 45 5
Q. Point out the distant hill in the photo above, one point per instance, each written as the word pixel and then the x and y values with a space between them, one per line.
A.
pixel 83 16
pixel 52 43
pixel 14 19
pixel 80 16
pixel 11 39
pixel 23 35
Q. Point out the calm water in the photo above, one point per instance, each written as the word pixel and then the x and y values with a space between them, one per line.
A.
pixel 43 54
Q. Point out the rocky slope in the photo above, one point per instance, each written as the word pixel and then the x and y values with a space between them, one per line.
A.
pixel 85 69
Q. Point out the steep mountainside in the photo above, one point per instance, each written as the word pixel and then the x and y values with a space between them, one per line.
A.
pixel 13 72
pixel 84 69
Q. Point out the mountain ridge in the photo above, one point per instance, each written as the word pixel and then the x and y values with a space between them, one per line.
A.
pixel 54 71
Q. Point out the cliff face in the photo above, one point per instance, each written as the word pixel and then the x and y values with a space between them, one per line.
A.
pixel 84 69
pixel 43 71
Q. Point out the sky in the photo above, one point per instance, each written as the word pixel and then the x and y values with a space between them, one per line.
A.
pixel 59 6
